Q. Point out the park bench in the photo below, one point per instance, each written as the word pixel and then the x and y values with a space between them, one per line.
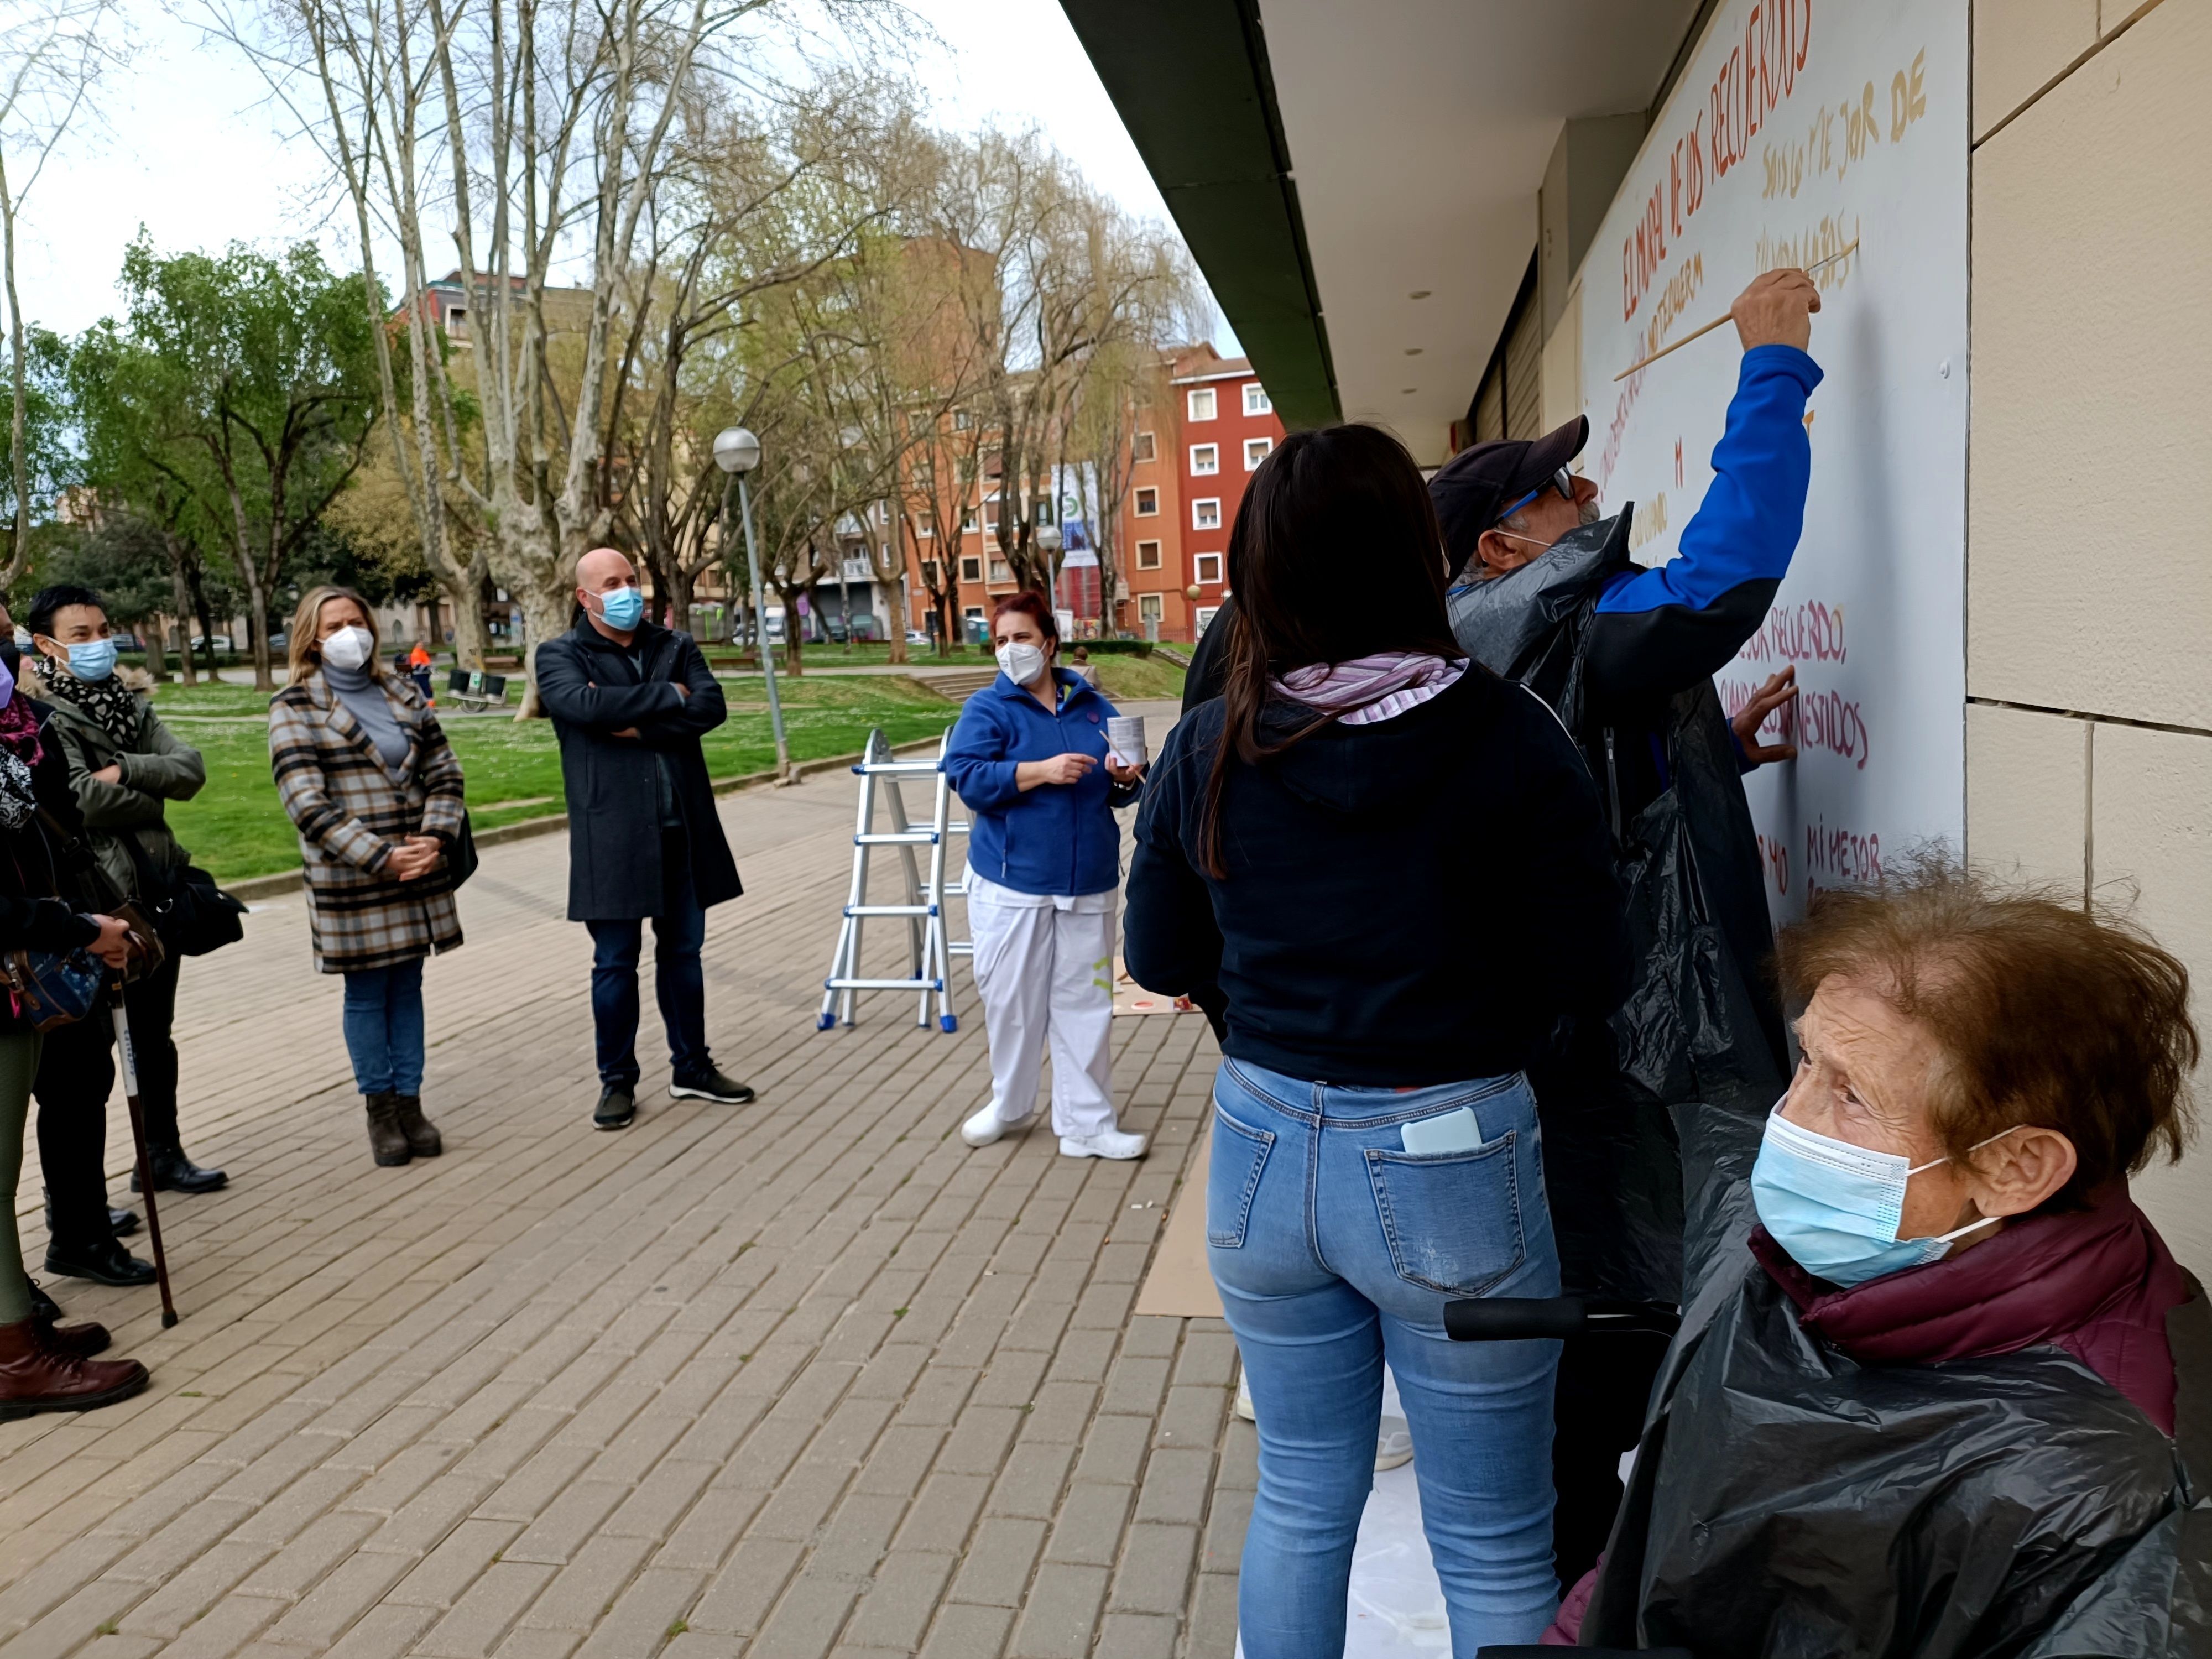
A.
pixel 474 689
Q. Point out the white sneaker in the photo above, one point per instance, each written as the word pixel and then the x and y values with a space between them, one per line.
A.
pixel 1107 1143
pixel 1244 1396
pixel 986 1126
pixel 1394 1445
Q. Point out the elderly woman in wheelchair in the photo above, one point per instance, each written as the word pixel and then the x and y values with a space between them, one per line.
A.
pixel 1951 1395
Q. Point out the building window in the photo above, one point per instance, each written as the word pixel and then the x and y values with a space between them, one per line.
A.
pixel 1148 503
pixel 1144 450
pixel 925 523
pixel 1209 569
pixel 968 520
pixel 1199 403
pixel 1000 573
pixel 1255 451
pixel 1042 507
pixel 962 420
pixel 991 522
pixel 1255 399
pixel 1204 616
pixel 1148 556
pixel 929 577
pixel 1148 607
pixel 1204 457
pixel 1205 514
pixel 971 568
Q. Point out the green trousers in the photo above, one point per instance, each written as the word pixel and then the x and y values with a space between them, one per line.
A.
pixel 19 1064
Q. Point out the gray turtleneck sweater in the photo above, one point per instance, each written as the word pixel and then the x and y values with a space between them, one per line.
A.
pixel 359 692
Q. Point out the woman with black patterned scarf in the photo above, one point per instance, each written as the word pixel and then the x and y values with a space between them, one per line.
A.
pixel 123 765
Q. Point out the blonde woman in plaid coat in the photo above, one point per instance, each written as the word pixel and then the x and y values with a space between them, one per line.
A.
pixel 375 791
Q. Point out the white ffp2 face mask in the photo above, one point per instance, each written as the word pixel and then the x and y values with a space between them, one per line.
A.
pixel 1021 663
pixel 348 647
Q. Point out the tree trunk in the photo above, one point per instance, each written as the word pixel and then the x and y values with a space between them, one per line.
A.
pixel 545 607
pixel 156 664
pixel 207 620
pixel 257 614
pixel 182 596
pixel 465 592
pixel 794 664
pixel 18 553
pixel 680 586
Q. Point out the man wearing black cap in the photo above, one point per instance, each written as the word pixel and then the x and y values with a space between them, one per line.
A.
pixel 1544 593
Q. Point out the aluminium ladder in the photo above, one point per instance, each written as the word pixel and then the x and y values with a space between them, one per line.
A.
pixel 929 949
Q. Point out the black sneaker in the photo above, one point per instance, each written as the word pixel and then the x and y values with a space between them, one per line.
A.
pixel 715 1086
pixel 105 1263
pixel 618 1107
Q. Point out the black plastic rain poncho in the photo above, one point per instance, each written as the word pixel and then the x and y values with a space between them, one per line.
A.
pixel 1698 1030
pixel 1790 1503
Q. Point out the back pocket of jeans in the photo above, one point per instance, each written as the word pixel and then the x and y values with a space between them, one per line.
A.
pixel 1452 1220
pixel 1239 1152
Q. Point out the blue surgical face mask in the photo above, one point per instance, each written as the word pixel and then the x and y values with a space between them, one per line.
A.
pixel 92 660
pixel 621 608
pixel 1836 1207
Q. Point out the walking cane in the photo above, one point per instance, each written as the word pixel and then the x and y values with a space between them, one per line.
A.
pixel 145 1164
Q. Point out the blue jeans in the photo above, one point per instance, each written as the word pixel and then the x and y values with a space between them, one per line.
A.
pixel 1335 1249
pixel 678 985
pixel 384 1027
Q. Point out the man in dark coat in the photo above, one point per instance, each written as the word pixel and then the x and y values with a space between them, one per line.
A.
pixel 629 701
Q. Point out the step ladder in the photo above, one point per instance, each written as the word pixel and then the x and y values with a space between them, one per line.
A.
pixel 922 894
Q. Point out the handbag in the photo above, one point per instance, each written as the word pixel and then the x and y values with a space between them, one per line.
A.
pixel 461 856
pixel 191 914
pixel 50 988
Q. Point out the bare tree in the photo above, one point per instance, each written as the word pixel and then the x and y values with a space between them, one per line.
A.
pixel 51 53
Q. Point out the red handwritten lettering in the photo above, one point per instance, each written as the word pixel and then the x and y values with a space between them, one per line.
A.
pixel 1812 632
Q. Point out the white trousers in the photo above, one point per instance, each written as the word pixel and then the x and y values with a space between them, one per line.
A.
pixel 1046 974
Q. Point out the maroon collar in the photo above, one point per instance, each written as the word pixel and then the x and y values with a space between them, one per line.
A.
pixel 2038 1281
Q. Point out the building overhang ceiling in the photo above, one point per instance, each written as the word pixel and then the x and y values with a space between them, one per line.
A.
pixel 1327 163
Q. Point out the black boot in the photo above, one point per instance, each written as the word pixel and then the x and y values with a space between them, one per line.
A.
pixel 423 1139
pixel 387 1141
pixel 174 1172
pixel 121 1223
pixel 102 1261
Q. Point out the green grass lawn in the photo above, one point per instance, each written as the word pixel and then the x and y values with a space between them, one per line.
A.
pixel 235 828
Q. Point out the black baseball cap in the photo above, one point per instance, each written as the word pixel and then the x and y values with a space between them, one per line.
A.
pixel 1472 490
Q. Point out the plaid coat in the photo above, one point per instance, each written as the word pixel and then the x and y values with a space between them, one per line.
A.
pixel 350 814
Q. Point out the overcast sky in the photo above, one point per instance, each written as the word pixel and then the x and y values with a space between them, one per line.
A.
pixel 190 147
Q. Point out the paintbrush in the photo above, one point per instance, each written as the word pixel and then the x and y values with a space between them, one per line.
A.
pixel 1699 333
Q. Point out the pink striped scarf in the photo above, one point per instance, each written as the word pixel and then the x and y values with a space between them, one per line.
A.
pixel 1373 688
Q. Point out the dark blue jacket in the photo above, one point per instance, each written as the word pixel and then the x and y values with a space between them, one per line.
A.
pixel 1057 838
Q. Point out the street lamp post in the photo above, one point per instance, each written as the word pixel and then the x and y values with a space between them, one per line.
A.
pixel 737 452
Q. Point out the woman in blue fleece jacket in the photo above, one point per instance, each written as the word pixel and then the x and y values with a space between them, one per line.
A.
pixel 1029 757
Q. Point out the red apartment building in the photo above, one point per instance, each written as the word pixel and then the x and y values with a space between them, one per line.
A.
pixel 1207 428
pixel 1205 425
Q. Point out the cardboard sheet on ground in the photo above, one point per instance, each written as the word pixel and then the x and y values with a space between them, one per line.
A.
pixel 1131 997
pixel 1179 1286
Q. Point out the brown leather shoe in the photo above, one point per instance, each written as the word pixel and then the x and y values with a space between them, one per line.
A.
pixel 387 1141
pixel 35 1377
pixel 422 1134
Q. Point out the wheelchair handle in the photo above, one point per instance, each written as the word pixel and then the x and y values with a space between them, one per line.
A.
pixel 1517 1319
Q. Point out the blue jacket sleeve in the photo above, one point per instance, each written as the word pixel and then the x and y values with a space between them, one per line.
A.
pixel 1657 631
pixel 976 762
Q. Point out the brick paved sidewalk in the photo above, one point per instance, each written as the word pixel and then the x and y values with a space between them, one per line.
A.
pixel 788 1379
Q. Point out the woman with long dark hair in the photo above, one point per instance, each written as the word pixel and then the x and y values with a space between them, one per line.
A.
pixel 1392 864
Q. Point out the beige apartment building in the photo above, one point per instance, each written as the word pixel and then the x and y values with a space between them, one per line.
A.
pixel 1471 221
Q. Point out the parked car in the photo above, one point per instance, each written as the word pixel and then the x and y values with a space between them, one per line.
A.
pixel 220 643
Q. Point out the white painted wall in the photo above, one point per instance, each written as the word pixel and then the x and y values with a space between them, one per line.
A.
pixel 1858 133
